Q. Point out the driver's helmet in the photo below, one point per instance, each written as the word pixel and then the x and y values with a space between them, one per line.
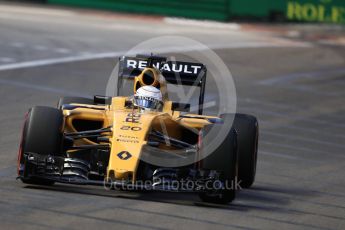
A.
pixel 148 98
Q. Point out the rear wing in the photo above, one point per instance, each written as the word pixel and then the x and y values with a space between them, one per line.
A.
pixel 174 72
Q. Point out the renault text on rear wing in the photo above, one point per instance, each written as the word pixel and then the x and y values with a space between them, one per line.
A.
pixel 175 72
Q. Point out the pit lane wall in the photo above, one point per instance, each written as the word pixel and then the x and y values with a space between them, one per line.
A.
pixel 324 11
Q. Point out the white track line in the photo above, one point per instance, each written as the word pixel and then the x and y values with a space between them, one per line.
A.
pixel 62 50
pixel 281 106
pixel 201 23
pixel 294 118
pixel 303 150
pixel 17 44
pixel 281 155
pixel 304 139
pixel 53 61
pixel 35 10
pixel 43 88
pixel 6 59
pixel 40 47
pixel 300 129
pixel 284 79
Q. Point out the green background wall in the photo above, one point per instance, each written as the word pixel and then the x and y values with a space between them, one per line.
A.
pixel 200 9
pixel 331 11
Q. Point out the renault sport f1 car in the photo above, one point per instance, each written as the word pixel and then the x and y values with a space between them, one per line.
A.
pixel 124 142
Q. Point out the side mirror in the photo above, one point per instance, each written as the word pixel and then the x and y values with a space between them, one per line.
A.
pixel 182 107
pixel 102 100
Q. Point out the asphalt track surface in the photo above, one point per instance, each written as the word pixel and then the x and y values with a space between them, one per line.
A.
pixel 295 88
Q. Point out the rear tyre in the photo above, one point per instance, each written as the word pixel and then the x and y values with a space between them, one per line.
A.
pixel 224 159
pixel 42 134
pixel 247 138
pixel 77 100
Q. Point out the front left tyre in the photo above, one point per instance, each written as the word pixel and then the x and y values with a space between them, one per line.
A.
pixel 42 134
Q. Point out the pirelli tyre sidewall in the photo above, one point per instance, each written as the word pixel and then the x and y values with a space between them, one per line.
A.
pixel 42 134
pixel 247 138
pixel 77 100
pixel 224 159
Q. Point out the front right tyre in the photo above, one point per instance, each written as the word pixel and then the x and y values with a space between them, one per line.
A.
pixel 223 159
pixel 247 138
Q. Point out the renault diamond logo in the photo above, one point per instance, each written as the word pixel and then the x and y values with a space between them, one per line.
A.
pixel 124 155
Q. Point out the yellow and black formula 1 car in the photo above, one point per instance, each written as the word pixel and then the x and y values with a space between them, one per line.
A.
pixel 117 143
